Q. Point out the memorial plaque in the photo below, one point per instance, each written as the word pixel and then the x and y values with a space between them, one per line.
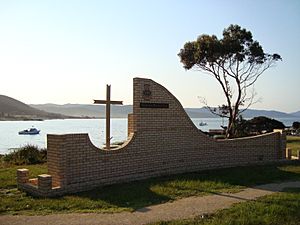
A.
pixel 154 105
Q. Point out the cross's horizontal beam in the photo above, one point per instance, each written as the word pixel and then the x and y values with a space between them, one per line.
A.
pixel 109 102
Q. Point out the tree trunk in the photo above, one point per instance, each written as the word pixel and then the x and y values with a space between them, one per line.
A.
pixel 229 127
pixel 230 131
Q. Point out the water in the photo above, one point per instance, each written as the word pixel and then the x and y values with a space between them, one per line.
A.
pixel 9 137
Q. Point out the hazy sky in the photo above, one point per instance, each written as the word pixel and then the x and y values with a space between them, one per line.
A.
pixel 67 51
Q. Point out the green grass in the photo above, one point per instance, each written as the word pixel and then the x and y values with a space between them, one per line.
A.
pixel 8 174
pixel 293 142
pixel 277 209
pixel 130 196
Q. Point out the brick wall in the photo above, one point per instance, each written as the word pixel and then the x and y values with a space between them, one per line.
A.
pixel 130 126
pixel 162 140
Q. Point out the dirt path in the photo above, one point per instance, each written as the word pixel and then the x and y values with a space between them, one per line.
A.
pixel 183 208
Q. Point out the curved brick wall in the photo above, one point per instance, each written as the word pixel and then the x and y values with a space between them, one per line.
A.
pixel 162 140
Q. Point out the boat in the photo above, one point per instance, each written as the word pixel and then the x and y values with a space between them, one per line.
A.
pixel 30 131
pixel 202 124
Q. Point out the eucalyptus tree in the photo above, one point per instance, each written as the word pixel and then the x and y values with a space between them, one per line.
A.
pixel 236 61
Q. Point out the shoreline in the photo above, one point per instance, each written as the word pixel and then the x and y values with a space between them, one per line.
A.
pixel 42 119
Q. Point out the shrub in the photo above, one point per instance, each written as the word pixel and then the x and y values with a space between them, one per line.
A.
pixel 26 155
pixel 219 136
pixel 118 143
pixel 296 125
pixel 256 125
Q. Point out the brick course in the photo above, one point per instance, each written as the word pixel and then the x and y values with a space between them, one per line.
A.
pixel 161 141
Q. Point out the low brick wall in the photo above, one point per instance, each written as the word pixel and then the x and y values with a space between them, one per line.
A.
pixel 162 140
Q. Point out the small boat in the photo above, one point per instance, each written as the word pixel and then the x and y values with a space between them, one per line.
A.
pixel 202 124
pixel 30 131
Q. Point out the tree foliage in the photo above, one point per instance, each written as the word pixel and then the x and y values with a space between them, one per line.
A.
pixel 236 61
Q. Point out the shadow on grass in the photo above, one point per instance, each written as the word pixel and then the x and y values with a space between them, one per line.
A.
pixel 140 194
pixel 132 195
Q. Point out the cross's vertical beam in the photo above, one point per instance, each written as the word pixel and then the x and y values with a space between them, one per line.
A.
pixel 107 103
pixel 107 117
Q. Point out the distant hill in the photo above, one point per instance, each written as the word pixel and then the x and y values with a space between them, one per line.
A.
pixel 250 113
pixel 118 111
pixel 199 113
pixel 11 108
pixel 296 114
pixel 82 110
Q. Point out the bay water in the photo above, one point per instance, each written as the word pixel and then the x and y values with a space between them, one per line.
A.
pixel 10 139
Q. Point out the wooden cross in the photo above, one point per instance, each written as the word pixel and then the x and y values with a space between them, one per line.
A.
pixel 108 102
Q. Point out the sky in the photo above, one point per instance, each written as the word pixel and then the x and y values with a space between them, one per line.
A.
pixel 60 52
